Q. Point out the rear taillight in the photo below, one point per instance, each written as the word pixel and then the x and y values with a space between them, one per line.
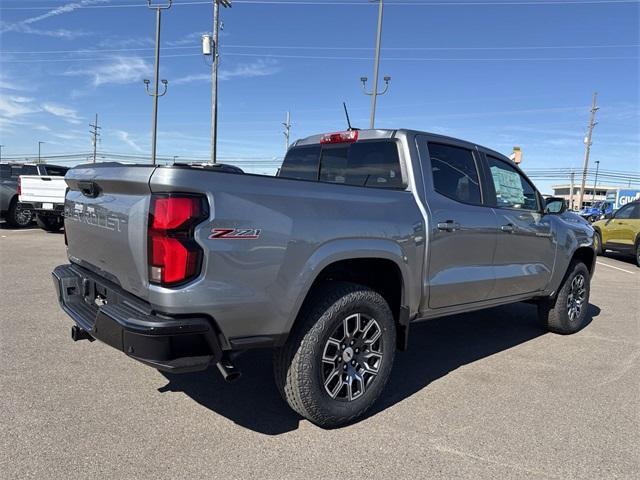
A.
pixel 174 255
pixel 350 136
pixel 19 186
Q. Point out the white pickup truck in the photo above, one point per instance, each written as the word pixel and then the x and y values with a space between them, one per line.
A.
pixel 44 196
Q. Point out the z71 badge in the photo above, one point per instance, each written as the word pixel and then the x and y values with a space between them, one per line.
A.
pixel 234 234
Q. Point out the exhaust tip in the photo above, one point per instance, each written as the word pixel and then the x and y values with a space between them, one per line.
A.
pixel 228 371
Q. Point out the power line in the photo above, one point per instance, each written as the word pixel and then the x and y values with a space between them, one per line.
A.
pixel 352 3
pixel 328 57
pixel 321 47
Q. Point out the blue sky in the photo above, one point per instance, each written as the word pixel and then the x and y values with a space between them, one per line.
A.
pixel 500 73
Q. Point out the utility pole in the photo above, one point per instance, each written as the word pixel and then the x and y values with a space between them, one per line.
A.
pixel 94 137
pixel 587 142
pixel 39 157
pixel 214 76
pixel 155 94
pixel 573 180
pixel 376 68
pixel 595 183
pixel 287 130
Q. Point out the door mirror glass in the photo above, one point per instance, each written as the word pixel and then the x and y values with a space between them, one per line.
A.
pixel 554 206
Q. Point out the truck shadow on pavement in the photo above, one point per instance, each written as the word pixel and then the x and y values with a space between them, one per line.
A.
pixel 437 347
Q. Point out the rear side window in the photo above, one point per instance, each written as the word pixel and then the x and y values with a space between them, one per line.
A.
pixel 301 163
pixel 512 189
pixel 455 174
pixel 365 164
pixel 56 171
pixel 630 212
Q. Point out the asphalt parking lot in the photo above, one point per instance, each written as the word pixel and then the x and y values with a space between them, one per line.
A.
pixel 482 395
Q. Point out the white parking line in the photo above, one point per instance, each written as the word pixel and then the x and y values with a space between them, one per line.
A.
pixel 617 268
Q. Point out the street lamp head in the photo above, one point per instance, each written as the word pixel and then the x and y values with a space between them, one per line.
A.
pixel 363 79
pixel 164 82
pixel 146 81
pixel 387 79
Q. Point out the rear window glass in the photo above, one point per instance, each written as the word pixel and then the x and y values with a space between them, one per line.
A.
pixel 369 164
pixel 301 163
pixel 5 171
pixel 56 171
pixel 24 170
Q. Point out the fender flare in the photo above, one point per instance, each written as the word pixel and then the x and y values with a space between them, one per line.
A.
pixel 346 249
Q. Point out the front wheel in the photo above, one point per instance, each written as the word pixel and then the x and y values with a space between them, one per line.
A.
pixel 568 312
pixel 338 358
pixel 638 254
pixel 597 243
pixel 49 223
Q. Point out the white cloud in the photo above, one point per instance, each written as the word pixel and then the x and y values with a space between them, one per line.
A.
pixel 66 113
pixel 24 26
pixel 259 68
pixel 12 107
pixel 118 70
pixel 131 42
pixel 189 39
pixel 126 138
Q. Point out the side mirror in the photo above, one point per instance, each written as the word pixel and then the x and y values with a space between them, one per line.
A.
pixel 554 206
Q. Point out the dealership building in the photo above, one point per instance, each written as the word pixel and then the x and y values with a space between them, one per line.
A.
pixel 602 192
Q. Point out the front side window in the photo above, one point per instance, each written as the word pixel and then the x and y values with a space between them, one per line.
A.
pixel 626 212
pixel 512 189
pixel 455 173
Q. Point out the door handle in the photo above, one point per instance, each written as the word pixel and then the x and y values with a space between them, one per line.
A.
pixel 448 226
pixel 507 228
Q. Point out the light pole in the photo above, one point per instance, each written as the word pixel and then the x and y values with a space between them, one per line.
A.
pixel 155 94
pixel 214 76
pixel 39 157
pixel 376 68
pixel 1 152
pixel 595 183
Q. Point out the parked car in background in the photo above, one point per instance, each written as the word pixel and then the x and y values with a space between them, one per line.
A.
pixel 597 210
pixel 43 195
pixel 10 208
pixel 621 233
pixel 361 233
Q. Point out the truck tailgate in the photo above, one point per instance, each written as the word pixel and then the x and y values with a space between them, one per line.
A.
pixel 42 189
pixel 106 214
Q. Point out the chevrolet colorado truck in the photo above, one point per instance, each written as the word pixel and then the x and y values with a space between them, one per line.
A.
pixel 360 234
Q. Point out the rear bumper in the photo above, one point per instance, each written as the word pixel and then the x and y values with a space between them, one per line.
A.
pixel 113 316
pixel 56 210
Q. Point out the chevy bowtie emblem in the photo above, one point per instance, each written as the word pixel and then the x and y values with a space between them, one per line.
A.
pixel 234 234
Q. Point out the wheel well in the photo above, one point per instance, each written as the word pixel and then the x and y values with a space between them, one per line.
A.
pixel 585 255
pixel 379 274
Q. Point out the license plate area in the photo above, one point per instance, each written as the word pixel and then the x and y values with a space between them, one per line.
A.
pixel 47 206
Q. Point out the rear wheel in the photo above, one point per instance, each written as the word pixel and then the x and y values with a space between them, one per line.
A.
pixel 638 253
pixel 568 312
pixel 49 223
pixel 17 216
pixel 339 356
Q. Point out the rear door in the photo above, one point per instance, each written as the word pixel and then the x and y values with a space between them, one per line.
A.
pixel 462 234
pixel 106 215
pixel 525 250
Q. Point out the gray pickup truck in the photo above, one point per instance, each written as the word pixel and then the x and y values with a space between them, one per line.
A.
pixel 360 234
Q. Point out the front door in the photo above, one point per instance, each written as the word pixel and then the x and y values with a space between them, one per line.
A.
pixel 462 233
pixel 525 249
